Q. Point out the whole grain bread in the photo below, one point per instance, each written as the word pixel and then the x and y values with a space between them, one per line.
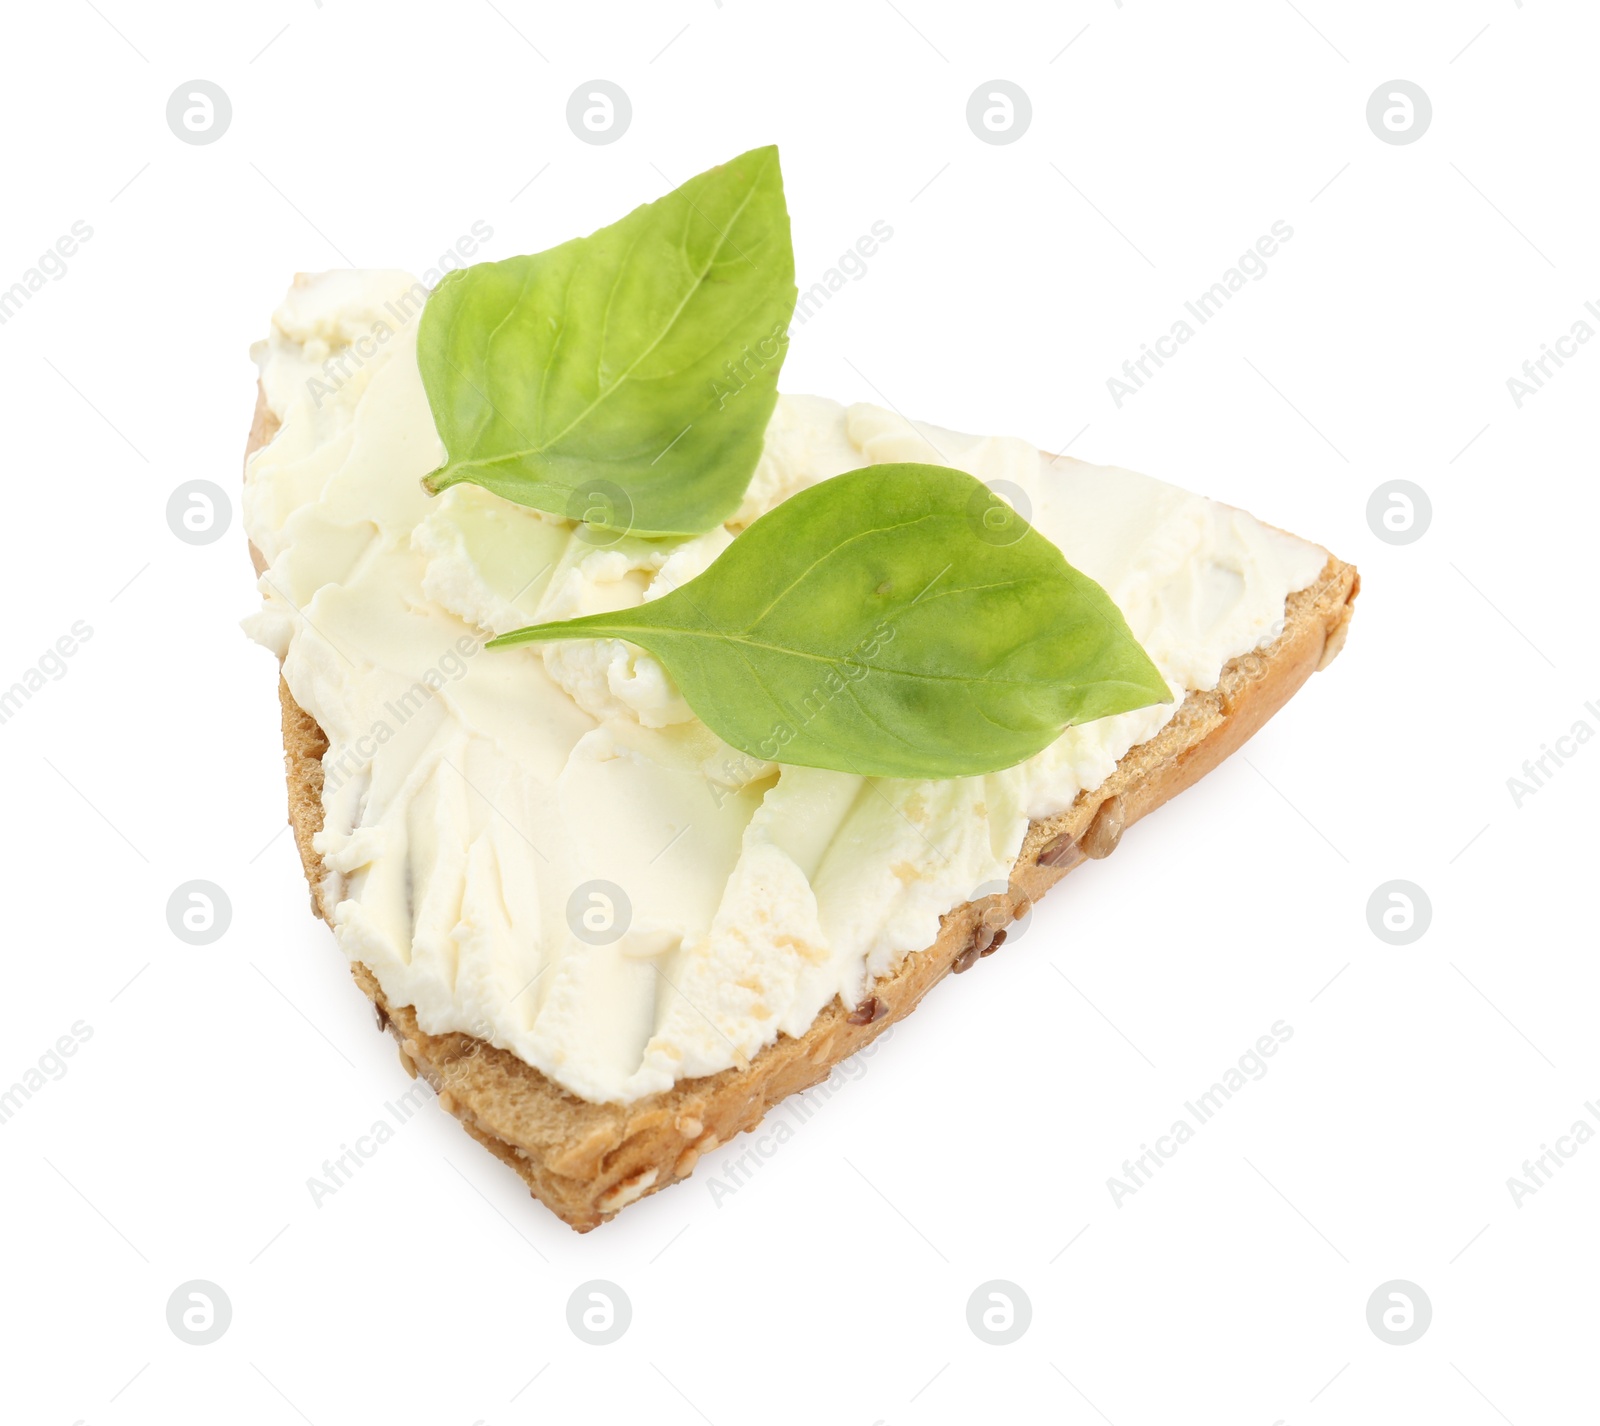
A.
pixel 587 1161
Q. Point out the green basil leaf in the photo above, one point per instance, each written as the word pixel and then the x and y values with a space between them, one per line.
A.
pixel 882 623
pixel 625 378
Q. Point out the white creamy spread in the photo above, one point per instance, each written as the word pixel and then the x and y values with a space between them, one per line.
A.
pixel 469 794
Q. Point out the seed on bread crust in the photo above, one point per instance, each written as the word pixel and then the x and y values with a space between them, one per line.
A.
pixel 1061 851
pixel 983 938
pixel 869 1010
pixel 1106 830
pixel 996 914
pixel 994 945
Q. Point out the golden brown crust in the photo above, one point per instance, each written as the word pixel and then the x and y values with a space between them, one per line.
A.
pixel 587 1161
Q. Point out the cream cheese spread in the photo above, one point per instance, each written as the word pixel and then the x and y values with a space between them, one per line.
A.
pixel 541 845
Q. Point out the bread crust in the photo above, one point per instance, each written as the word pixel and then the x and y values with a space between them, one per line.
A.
pixel 587 1161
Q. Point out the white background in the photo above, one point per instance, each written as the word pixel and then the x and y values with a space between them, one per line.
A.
pixel 1166 138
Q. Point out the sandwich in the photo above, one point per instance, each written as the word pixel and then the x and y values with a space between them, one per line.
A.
pixel 654 740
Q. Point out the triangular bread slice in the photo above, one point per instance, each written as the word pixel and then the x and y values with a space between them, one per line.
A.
pixel 587 1161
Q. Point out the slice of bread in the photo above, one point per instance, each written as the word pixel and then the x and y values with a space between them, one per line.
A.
pixel 588 1161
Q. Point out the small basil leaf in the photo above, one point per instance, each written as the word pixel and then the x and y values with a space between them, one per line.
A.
pixel 625 378
pixel 872 624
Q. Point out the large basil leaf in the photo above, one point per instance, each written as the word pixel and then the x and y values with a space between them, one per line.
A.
pixel 625 378
pixel 877 623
